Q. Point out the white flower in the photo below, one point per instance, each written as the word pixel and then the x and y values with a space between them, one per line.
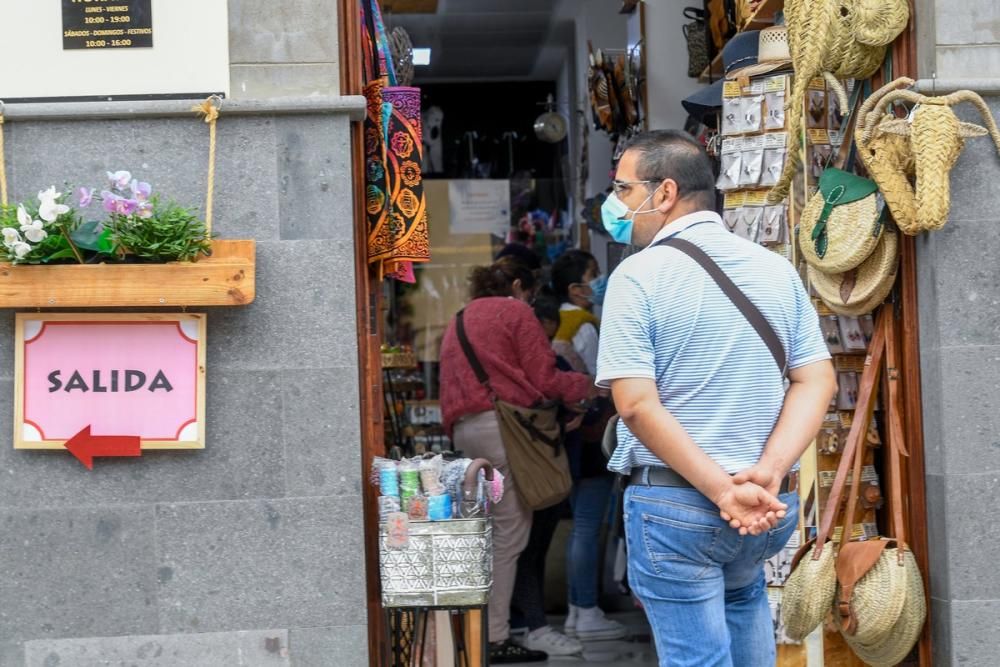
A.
pixel 22 216
pixel 50 210
pixel 21 249
pixel 34 231
pixel 10 236
pixel 49 195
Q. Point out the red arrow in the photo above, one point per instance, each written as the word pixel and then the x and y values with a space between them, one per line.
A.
pixel 87 447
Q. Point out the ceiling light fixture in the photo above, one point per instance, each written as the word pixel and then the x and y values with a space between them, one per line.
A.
pixel 421 56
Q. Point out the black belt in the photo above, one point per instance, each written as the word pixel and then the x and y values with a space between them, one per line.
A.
pixel 657 476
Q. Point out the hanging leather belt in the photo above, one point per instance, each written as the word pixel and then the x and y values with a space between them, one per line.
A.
pixel 657 476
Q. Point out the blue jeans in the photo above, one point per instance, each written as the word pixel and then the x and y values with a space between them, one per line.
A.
pixel 589 500
pixel 701 583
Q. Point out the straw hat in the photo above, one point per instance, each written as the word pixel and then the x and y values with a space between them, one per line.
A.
pixel 809 591
pixel 895 642
pixel 861 290
pixel 772 54
pixel 840 225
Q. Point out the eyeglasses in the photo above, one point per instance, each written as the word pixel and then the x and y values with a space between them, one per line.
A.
pixel 623 186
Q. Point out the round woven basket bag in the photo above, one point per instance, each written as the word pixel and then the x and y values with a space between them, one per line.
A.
pixel 861 290
pixel 878 599
pixel 894 644
pixel 840 226
pixel 809 591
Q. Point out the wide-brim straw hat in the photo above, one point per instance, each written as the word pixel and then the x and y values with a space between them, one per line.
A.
pixel 896 642
pixel 773 54
pixel 846 209
pixel 809 592
pixel 861 290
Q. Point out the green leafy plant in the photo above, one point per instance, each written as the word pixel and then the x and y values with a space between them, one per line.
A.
pixel 172 233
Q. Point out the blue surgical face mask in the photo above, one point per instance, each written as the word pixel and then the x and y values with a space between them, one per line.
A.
pixel 598 286
pixel 614 215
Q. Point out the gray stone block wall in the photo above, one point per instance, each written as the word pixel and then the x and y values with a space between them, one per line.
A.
pixel 959 290
pixel 283 48
pixel 249 552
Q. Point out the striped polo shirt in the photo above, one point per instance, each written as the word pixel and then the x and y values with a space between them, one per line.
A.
pixel 665 319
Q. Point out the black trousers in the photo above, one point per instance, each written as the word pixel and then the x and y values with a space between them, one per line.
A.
pixel 527 606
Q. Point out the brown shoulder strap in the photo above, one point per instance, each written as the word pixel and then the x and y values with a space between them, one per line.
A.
pixel 859 430
pixel 736 295
pixel 470 354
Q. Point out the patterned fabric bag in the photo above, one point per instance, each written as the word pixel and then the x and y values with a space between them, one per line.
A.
pixel 394 197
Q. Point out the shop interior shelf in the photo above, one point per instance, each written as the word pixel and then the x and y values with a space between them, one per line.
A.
pixel 761 18
pixel 226 278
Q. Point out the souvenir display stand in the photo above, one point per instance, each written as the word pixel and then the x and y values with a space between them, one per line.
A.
pixel 436 555
pixel 836 227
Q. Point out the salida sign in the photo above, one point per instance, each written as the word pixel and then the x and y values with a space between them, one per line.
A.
pixel 109 384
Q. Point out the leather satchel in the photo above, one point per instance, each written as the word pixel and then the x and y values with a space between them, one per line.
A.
pixel 532 438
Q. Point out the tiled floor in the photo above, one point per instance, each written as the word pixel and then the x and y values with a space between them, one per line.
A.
pixel 638 651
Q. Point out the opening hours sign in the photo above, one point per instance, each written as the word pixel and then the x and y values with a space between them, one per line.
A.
pixel 109 384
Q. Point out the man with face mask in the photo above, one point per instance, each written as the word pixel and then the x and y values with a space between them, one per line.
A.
pixel 709 439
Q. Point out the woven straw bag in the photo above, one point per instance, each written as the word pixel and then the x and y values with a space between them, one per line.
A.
pixel 880 594
pixel 845 38
pixel 934 137
pixel 861 290
pixel 898 641
pixel 810 590
pixel 888 157
pixel 840 226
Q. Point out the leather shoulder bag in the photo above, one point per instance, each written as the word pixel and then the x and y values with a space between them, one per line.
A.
pixel 532 438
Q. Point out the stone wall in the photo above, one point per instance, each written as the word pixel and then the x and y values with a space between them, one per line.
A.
pixel 260 531
pixel 959 292
pixel 251 551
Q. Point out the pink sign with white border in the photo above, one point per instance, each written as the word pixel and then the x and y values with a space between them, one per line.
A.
pixel 121 375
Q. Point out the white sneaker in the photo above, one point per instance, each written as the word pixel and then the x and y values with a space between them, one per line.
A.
pixel 550 641
pixel 569 628
pixel 518 635
pixel 593 626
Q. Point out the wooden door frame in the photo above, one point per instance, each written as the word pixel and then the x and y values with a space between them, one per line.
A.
pixel 368 305
pixel 905 64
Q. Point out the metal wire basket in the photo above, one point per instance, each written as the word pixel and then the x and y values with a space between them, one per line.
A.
pixel 444 563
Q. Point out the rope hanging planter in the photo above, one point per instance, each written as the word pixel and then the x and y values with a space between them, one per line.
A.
pixel 225 278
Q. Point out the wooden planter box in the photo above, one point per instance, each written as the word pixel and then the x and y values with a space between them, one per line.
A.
pixel 224 279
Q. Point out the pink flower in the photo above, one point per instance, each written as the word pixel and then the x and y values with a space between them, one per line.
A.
pixel 86 196
pixel 145 210
pixel 141 190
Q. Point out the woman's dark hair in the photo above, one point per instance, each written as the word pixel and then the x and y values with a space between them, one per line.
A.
pixel 546 306
pixel 522 252
pixel 568 270
pixel 498 278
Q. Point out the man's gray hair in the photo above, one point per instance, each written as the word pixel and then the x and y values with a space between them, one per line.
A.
pixel 673 154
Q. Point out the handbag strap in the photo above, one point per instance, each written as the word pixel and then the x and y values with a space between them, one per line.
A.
pixel 896 446
pixel 859 431
pixel 739 299
pixel 694 14
pixel 470 354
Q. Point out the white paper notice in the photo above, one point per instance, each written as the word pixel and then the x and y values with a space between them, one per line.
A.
pixel 479 206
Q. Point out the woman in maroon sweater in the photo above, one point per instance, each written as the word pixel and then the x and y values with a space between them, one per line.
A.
pixel 516 354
